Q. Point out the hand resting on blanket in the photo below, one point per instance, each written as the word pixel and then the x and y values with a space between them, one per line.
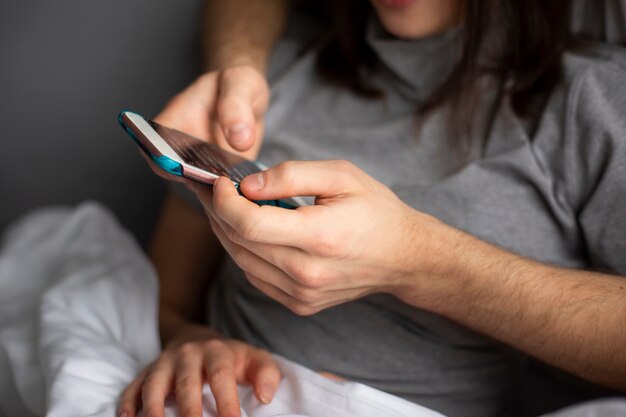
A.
pixel 186 362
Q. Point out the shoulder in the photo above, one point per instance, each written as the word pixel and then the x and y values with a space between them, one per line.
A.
pixel 595 118
pixel 595 106
pixel 595 73
pixel 582 131
pixel 596 151
pixel 593 57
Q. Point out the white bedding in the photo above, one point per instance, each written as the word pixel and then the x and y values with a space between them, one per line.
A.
pixel 78 322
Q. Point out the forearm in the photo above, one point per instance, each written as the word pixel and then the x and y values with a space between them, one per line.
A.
pixel 574 320
pixel 241 32
pixel 185 253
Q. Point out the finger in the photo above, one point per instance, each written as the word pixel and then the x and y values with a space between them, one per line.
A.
pixel 189 385
pixel 294 304
pixel 264 375
pixel 301 178
pixel 249 261
pixel 263 224
pixel 285 258
pixel 282 297
pixel 129 400
pixel 243 95
pixel 218 137
pixel 156 387
pixel 220 371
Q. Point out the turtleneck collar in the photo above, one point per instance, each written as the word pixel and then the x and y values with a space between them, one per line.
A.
pixel 422 65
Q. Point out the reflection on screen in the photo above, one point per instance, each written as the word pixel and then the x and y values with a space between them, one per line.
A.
pixel 206 156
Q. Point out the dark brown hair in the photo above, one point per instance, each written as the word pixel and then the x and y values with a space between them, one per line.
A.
pixel 520 41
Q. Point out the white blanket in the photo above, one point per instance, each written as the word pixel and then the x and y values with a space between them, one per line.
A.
pixel 78 322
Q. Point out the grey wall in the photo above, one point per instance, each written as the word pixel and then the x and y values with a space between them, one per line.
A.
pixel 67 67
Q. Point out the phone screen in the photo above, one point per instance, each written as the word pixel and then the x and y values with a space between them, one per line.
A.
pixel 206 156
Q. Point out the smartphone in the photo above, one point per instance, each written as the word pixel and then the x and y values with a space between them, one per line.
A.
pixel 185 156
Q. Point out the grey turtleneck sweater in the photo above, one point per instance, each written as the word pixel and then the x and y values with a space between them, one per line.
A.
pixel 553 189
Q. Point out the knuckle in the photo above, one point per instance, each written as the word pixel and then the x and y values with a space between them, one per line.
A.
pixel 301 309
pixel 287 173
pixel 214 346
pixel 345 172
pixel 152 383
pixel 166 357
pixel 187 348
pixel 219 375
pixel 292 267
pixel 343 166
pixel 305 295
pixel 187 382
pixel 312 276
pixel 250 230
pixel 326 245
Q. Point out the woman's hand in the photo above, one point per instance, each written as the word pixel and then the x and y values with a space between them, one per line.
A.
pixel 359 238
pixel 187 363
pixel 224 107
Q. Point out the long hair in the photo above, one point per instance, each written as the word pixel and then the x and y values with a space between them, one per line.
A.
pixel 520 41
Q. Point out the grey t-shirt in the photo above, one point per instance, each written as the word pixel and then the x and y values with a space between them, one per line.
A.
pixel 553 190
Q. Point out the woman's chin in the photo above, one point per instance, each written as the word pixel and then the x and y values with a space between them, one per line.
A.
pixel 404 28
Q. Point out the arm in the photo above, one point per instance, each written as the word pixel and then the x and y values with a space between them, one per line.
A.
pixel 238 37
pixel 574 320
pixel 185 254
pixel 241 32
pixel 316 257
pixel 226 104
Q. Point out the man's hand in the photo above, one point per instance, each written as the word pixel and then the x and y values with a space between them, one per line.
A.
pixel 358 239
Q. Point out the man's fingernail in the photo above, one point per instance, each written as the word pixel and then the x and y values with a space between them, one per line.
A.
pixel 255 182
pixel 265 393
pixel 238 133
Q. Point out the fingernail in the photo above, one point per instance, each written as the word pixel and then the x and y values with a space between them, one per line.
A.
pixel 265 393
pixel 123 414
pixel 238 133
pixel 255 182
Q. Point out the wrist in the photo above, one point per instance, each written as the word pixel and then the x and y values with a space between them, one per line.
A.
pixel 175 330
pixel 439 263
pixel 454 271
pixel 220 61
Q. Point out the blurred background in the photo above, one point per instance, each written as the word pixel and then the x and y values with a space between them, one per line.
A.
pixel 66 70
pixel 68 67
